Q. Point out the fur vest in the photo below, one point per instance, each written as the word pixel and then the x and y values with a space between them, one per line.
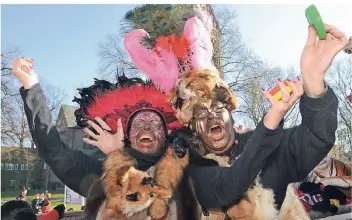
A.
pixel 257 204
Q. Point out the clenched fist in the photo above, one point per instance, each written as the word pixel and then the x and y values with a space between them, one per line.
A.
pixel 22 68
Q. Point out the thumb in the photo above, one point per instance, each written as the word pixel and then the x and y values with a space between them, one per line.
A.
pixel 312 36
pixel 119 132
pixel 269 97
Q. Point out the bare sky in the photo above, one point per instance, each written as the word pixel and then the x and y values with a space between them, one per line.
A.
pixel 63 38
pixel 278 33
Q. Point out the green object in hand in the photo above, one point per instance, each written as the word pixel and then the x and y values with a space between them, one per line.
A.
pixel 314 18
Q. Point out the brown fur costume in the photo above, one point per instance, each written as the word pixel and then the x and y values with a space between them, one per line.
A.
pixel 120 180
pixel 198 86
pixel 257 204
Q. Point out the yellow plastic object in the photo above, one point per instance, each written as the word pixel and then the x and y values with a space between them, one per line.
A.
pixel 278 95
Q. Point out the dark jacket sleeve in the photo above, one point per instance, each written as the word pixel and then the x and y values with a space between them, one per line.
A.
pixel 311 141
pixel 75 169
pixel 219 187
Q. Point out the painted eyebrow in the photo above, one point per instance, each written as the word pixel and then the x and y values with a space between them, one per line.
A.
pixel 138 120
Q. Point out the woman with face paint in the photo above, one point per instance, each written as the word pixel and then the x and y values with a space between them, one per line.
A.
pixel 289 157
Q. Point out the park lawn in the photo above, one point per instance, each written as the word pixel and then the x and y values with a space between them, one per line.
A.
pixel 57 197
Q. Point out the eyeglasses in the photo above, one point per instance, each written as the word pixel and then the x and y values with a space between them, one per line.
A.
pixel 204 113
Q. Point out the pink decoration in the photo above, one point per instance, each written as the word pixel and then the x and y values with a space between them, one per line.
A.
pixel 200 43
pixel 162 68
pixel 160 64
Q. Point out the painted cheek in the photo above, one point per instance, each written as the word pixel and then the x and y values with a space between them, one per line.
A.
pixel 159 133
pixel 134 131
pixel 200 127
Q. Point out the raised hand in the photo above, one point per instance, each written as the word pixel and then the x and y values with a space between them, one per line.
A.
pixel 317 57
pixel 22 68
pixel 104 139
pixel 279 109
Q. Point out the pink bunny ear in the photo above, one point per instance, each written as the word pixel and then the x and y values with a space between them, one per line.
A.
pixel 200 44
pixel 161 68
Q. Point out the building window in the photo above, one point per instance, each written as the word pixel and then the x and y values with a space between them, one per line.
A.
pixel 11 166
pixel 27 166
pixel 22 166
pixel 12 182
pixel 6 166
pixel 16 166
pixel 32 166
pixel 45 166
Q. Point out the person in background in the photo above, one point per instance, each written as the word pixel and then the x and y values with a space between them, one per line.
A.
pixel 35 203
pixel 21 210
pixel 23 195
pixel 46 203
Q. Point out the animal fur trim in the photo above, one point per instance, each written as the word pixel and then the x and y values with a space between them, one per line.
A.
pixel 199 86
pixel 258 203
pixel 130 191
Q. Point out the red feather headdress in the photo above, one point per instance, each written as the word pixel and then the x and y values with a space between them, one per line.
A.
pixel 123 100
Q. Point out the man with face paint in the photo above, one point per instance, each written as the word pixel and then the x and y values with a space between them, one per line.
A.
pixel 207 112
pixel 212 125
pixel 139 110
pixel 132 114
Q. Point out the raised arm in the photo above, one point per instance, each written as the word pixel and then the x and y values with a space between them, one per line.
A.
pixel 310 142
pixel 75 169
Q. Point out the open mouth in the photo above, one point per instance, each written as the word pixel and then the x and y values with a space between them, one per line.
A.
pixel 146 140
pixel 216 132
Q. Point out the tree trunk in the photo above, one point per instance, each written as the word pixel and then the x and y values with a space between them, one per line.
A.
pixel 46 177
pixel 23 125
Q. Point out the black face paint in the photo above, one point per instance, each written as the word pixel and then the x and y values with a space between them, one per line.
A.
pixel 214 126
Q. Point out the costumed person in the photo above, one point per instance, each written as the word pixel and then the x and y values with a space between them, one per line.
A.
pixel 139 180
pixel 75 169
pixel 301 148
pixel 19 210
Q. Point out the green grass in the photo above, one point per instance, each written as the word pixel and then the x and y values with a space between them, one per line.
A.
pixel 57 197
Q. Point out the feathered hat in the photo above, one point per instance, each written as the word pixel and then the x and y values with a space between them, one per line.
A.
pixel 122 100
pixel 183 66
pixel 199 86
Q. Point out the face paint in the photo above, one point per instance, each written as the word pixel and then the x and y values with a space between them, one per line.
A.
pixel 214 126
pixel 147 133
